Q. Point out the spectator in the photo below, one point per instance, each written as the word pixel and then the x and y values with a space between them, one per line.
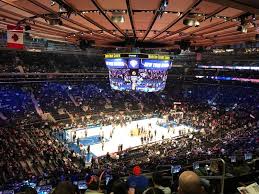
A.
pixel 29 190
pixel 119 187
pixel 158 180
pixel 190 183
pixel 65 188
pixel 137 181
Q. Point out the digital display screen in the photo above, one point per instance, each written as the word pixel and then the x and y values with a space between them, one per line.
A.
pixel 139 72
pixel 154 64
pixel 29 184
pixel 107 179
pixel 248 156
pixel 175 169
pixel 140 80
pixel 195 165
pixel 44 189
pixel 82 185
pixel 137 55
pixel 116 63
pixel 136 63
pixel 224 78
pixel 133 63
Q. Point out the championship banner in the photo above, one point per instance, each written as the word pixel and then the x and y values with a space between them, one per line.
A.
pixel 15 37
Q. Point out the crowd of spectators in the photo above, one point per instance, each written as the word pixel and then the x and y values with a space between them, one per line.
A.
pixel 226 119
pixel 33 152
pixel 49 62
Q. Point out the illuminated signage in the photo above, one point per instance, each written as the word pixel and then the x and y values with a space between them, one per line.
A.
pixel 160 57
pixel 132 55
pixel 229 78
pixel 254 68
pixel 116 63
pixel 112 55
pixel 133 63
pixel 155 64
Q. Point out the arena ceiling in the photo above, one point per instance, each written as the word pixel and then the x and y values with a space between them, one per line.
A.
pixel 148 22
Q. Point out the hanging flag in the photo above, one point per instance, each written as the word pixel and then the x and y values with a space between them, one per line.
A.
pixel 15 37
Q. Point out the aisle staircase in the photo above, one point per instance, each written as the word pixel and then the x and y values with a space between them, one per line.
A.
pixel 44 116
pixel 73 99
pixel 36 105
pixel 2 116
pixel 20 69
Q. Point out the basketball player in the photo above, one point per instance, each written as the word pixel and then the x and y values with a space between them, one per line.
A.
pixel 77 141
pixel 88 149
pixel 102 145
pixel 111 135
pixel 86 133
pixel 74 137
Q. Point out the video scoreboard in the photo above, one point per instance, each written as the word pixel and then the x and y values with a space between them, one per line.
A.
pixel 139 55
pixel 138 71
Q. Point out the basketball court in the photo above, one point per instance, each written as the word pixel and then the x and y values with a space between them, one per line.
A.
pixel 126 135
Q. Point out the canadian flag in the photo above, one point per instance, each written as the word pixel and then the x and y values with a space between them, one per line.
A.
pixel 15 37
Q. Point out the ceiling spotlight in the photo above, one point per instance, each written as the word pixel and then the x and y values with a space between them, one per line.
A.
pixel 82 33
pixel 191 22
pixel 178 14
pixel 117 18
pixel 91 33
pixel 168 33
pixel 196 23
pixel 242 29
pixel 101 32
pixel 62 9
pixel 52 3
pixel 165 3
pixel 188 22
pixel 140 32
pixel 114 32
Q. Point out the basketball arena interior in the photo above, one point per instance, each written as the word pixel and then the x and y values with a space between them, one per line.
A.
pixel 129 96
